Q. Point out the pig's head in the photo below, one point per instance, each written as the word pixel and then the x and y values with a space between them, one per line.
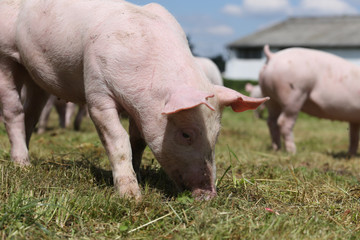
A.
pixel 192 125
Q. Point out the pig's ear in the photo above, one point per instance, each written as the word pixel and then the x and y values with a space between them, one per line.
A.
pixel 186 98
pixel 237 101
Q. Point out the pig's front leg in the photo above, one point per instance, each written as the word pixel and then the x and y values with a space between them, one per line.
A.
pixel 116 141
pixel 354 138
pixel 36 99
pixel 138 145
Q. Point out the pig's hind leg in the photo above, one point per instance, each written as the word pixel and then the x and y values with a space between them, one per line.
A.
pixel 13 111
pixel 138 145
pixel 288 116
pixel 36 99
pixel 354 138
pixel 79 116
pixel 103 111
pixel 286 123
pixel 20 119
pixel 274 112
pixel 62 110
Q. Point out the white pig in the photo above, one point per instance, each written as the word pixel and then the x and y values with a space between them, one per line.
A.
pixel 317 83
pixel 116 57
pixel 255 92
pixel 210 69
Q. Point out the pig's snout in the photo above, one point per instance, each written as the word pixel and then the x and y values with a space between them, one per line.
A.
pixel 202 186
pixel 204 195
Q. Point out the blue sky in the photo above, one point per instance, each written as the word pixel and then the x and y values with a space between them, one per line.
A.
pixel 211 24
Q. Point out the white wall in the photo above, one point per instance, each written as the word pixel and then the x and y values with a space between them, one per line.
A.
pixel 243 69
pixel 248 69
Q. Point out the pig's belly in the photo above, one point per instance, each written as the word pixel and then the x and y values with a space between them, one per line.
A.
pixel 66 84
pixel 340 112
pixel 56 68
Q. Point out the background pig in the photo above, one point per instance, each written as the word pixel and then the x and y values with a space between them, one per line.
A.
pixel 65 111
pixel 211 70
pixel 315 82
pixel 115 57
pixel 255 92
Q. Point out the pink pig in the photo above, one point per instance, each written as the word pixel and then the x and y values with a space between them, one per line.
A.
pixel 116 57
pixel 255 91
pixel 210 69
pixel 314 82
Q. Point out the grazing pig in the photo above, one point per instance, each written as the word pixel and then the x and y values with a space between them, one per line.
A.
pixel 115 57
pixel 65 111
pixel 210 69
pixel 315 82
pixel 255 92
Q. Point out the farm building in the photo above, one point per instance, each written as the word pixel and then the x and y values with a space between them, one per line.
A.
pixel 338 35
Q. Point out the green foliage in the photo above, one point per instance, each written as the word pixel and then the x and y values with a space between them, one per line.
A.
pixel 239 85
pixel 68 193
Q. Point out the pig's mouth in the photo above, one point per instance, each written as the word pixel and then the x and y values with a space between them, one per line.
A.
pixel 201 186
pixel 203 195
pixel 200 193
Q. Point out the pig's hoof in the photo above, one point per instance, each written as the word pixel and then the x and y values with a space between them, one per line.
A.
pixel 290 148
pixel 21 162
pixel 128 188
pixel 275 147
pixel 131 193
pixel 40 131
pixel 203 195
pixel 349 155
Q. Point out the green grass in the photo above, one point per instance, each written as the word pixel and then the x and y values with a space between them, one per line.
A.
pixel 67 192
pixel 238 85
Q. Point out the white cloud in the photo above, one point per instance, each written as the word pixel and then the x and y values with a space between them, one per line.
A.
pixel 305 7
pixel 232 9
pixel 220 30
pixel 325 7
pixel 262 7
pixel 268 6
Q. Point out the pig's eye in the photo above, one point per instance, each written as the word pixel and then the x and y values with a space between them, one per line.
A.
pixel 185 137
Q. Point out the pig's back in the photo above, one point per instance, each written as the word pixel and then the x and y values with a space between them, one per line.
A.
pixel 62 35
pixel 336 90
pixel 52 37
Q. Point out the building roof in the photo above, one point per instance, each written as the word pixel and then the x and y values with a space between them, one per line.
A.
pixel 315 32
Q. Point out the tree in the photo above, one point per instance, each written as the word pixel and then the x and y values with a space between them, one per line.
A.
pixel 219 61
pixel 191 45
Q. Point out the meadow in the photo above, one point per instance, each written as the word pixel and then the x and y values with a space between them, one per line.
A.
pixel 67 193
